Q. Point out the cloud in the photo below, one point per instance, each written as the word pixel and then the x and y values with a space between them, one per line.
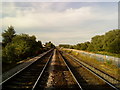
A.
pixel 59 21
pixel 61 1
pixel 33 18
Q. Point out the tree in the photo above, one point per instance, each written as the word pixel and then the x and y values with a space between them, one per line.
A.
pixel 109 42
pixel 39 43
pixel 90 47
pixel 39 47
pixel 49 45
pixel 110 39
pixel 115 46
pixel 18 47
pixel 84 46
pixel 8 35
pixel 97 42
pixel 8 54
pixel 25 45
pixel 21 47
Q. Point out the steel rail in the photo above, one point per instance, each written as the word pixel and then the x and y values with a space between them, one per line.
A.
pixel 71 72
pixel 34 86
pixel 23 68
pixel 75 59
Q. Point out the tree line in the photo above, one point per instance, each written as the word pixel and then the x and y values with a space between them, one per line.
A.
pixel 16 47
pixel 109 42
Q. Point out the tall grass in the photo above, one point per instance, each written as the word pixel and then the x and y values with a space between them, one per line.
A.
pixel 106 66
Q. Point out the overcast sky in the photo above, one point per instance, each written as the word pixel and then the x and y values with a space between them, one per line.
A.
pixel 61 22
pixel 61 0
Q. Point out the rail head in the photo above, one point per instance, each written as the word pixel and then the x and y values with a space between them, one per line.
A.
pixel 34 86
pixel 75 59
pixel 24 68
pixel 71 72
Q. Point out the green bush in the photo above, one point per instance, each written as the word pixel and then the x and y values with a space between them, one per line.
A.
pixel 19 47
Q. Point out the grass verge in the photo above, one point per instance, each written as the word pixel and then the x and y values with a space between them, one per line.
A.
pixel 105 66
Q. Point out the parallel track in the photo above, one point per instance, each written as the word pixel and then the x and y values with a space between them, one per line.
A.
pixel 56 71
pixel 83 69
pixel 57 67
pixel 26 77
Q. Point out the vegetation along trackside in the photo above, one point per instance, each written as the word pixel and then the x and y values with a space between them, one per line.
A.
pixel 16 47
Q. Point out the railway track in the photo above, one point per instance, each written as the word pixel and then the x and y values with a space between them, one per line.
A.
pixel 57 75
pixel 88 78
pixel 50 72
pixel 27 77
pixel 56 70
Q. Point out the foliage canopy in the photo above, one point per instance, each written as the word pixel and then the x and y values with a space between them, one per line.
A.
pixel 19 47
pixel 110 42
